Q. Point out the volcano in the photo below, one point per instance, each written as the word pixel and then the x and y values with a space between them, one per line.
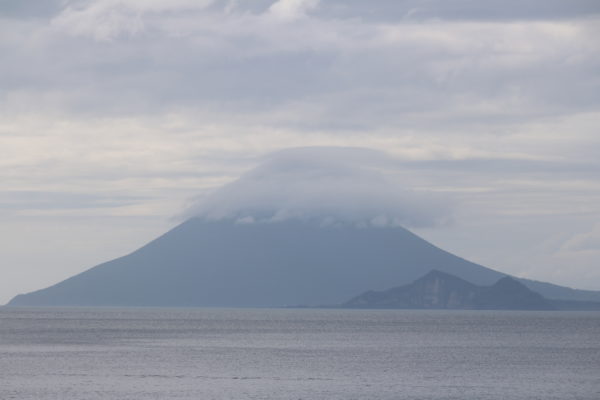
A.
pixel 223 263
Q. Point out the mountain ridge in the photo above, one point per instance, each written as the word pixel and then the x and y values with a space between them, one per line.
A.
pixel 440 290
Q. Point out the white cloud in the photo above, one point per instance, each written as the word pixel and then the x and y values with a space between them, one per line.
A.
pixel 329 184
pixel 584 242
pixel 108 19
pixel 292 9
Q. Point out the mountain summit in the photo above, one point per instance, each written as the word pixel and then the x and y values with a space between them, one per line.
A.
pixel 227 264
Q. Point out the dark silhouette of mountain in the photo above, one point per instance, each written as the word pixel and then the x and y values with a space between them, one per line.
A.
pixel 221 263
pixel 439 290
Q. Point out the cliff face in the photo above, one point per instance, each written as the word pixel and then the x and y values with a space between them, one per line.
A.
pixel 439 290
pixel 435 290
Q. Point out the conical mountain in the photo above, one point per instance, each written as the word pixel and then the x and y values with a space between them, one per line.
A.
pixel 223 263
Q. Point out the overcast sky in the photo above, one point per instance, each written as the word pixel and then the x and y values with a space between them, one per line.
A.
pixel 119 118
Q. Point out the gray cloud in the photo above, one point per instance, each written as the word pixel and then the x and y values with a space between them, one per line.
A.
pixel 511 167
pixel 325 69
pixel 333 185
pixel 39 200
pixel 494 10
pixel 30 8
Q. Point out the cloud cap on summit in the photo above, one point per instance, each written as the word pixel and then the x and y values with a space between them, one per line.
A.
pixel 333 185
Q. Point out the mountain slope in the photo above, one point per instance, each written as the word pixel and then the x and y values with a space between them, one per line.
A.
pixel 439 290
pixel 220 263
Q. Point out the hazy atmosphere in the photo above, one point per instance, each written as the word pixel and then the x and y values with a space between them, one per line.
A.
pixel 474 125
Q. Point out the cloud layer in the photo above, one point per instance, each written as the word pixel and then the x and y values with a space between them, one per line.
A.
pixel 304 63
pixel 329 185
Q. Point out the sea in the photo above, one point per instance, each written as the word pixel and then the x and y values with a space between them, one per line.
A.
pixel 152 353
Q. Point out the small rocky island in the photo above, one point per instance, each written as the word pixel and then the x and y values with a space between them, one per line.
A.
pixel 440 290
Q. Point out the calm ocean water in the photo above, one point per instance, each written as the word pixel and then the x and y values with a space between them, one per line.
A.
pixel 123 354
